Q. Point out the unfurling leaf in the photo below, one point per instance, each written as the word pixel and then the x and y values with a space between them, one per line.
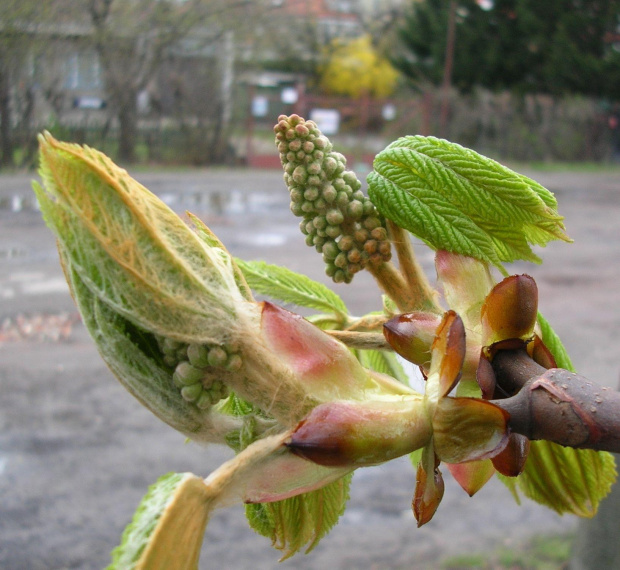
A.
pixel 132 356
pixel 291 287
pixel 565 479
pixel 458 200
pixel 167 528
pixel 300 521
pixel 134 252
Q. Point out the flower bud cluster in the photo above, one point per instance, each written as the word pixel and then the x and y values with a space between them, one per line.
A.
pixel 337 219
pixel 199 369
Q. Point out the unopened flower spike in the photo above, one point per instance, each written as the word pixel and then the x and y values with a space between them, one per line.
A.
pixel 337 218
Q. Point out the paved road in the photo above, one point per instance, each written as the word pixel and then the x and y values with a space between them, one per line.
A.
pixel 77 453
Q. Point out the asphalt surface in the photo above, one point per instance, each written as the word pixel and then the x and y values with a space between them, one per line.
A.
pixel 77 452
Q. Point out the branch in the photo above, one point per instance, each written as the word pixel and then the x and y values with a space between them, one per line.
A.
pixel 417 281
pixel 362 340
pixel 557 405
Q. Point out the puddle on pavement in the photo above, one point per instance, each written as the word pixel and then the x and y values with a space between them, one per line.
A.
pixel 215 202
pixel 12 252
pixel 222 203
pixel 19 203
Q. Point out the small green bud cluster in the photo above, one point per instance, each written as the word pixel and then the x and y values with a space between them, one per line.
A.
pixel 199 369
pixel 337 219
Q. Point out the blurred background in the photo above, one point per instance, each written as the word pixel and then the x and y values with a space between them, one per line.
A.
pixel 185 93
pixel 201 82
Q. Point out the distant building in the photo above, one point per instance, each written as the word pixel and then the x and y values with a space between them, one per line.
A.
pixel 55 73
pixel 333 18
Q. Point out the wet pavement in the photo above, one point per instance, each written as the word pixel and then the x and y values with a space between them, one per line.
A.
pixel 77 452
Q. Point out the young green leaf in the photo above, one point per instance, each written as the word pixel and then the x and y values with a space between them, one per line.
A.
pixel 130 354
pixel 458 200
pixel 565 479
pixel 300 521
pixel 132 250
pixel 384 362
pixel 554 344
pixel 167 529
pixel 290 287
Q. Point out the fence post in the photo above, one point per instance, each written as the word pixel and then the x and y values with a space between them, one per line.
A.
pixel 249 141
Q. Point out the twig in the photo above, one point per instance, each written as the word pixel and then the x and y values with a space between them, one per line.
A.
pixel 557 405
pixel 363 340
pixel 417 282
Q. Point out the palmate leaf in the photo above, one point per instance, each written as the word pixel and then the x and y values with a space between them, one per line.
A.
pixel 300 521
pixel 290 287
pixel 565 479
pixel 455 199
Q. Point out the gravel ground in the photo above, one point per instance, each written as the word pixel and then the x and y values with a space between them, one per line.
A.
pixel 77 452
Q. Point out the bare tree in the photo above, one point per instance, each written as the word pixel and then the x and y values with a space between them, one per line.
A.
pixel 133 39
pixel 21 23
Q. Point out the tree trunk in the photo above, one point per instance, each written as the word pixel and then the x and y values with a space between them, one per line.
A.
pixel 128 129
pixel 6 139
pixel 597 544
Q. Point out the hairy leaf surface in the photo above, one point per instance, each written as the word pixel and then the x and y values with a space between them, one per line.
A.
pixel 132 356
pixel 458 200
pixel 130 248
pixel 167 528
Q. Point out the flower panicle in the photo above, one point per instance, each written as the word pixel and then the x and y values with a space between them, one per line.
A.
pixel 337 218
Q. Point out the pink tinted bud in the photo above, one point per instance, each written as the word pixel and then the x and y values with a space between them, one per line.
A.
pixel 411 335
pixel 356 434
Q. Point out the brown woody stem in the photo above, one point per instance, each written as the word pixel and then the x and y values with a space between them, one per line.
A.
pixel 557 405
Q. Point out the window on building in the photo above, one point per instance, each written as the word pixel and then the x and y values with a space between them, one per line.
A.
pixel 83 71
